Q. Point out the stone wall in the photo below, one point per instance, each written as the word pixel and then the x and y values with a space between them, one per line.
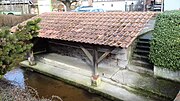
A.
pixel 117 58
pixel 68 51
pixel 166 73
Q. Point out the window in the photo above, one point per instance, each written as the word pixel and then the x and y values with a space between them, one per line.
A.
pixel 158 1
pixel 95 10
pixel 101 10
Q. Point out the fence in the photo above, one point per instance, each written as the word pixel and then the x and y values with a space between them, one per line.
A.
pixel 12 20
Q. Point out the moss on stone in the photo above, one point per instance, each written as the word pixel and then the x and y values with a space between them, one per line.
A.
pixel 150 93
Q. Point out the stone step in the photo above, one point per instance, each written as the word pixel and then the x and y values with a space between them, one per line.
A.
pixel 139 69
pixel 141 52
pixel 147 48
pixel 147 40
pixel 140 57
pixel 141 43
pixel 142 64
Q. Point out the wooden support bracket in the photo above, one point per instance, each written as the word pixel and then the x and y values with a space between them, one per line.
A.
pixel 95 51
pixel 87 53
pixel 104 55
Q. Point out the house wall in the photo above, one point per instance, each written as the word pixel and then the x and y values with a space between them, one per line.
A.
pixel 15 1
pixel 111 5
pixel 17 8
pixel 117 58
pixel 44 6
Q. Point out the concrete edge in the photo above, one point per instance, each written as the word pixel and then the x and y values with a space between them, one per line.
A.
pixel 137 90
pixel 139 70
pixel 166 73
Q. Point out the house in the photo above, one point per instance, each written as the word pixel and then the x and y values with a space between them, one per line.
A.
pixel 15 7
pixel 19 7
pixel 99 39
pixel 162 5
pixel 41 6
pixel 117 5
pixel 154 5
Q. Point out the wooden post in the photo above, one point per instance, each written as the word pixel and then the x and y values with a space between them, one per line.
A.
pixel 95 80
pixel 95 61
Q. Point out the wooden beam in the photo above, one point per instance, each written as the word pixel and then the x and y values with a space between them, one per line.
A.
pixel 103 56
pixel 63 44
pixel 102 48
pixel 87 53
pixel 39 52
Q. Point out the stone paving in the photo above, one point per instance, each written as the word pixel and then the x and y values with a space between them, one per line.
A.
pixel 177 97
pixel 116 82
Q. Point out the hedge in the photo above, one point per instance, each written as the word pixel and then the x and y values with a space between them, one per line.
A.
pixel 165 45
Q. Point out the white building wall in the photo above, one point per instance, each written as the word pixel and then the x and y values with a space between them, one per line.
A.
pixel 111 6
pixel 171 5
pixel 44 6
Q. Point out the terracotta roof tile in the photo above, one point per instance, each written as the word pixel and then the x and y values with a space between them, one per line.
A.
pixel 108 28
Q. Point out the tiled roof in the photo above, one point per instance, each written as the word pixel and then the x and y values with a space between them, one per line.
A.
pixel 117 29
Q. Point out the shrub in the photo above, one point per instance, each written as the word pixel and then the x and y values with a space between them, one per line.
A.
pixel 14 46
pixel 165 45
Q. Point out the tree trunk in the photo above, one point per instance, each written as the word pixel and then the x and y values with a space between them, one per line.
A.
pixel 68 4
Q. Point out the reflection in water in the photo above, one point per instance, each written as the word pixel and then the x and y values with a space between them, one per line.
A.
pixel 47 86
pixel 16 76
